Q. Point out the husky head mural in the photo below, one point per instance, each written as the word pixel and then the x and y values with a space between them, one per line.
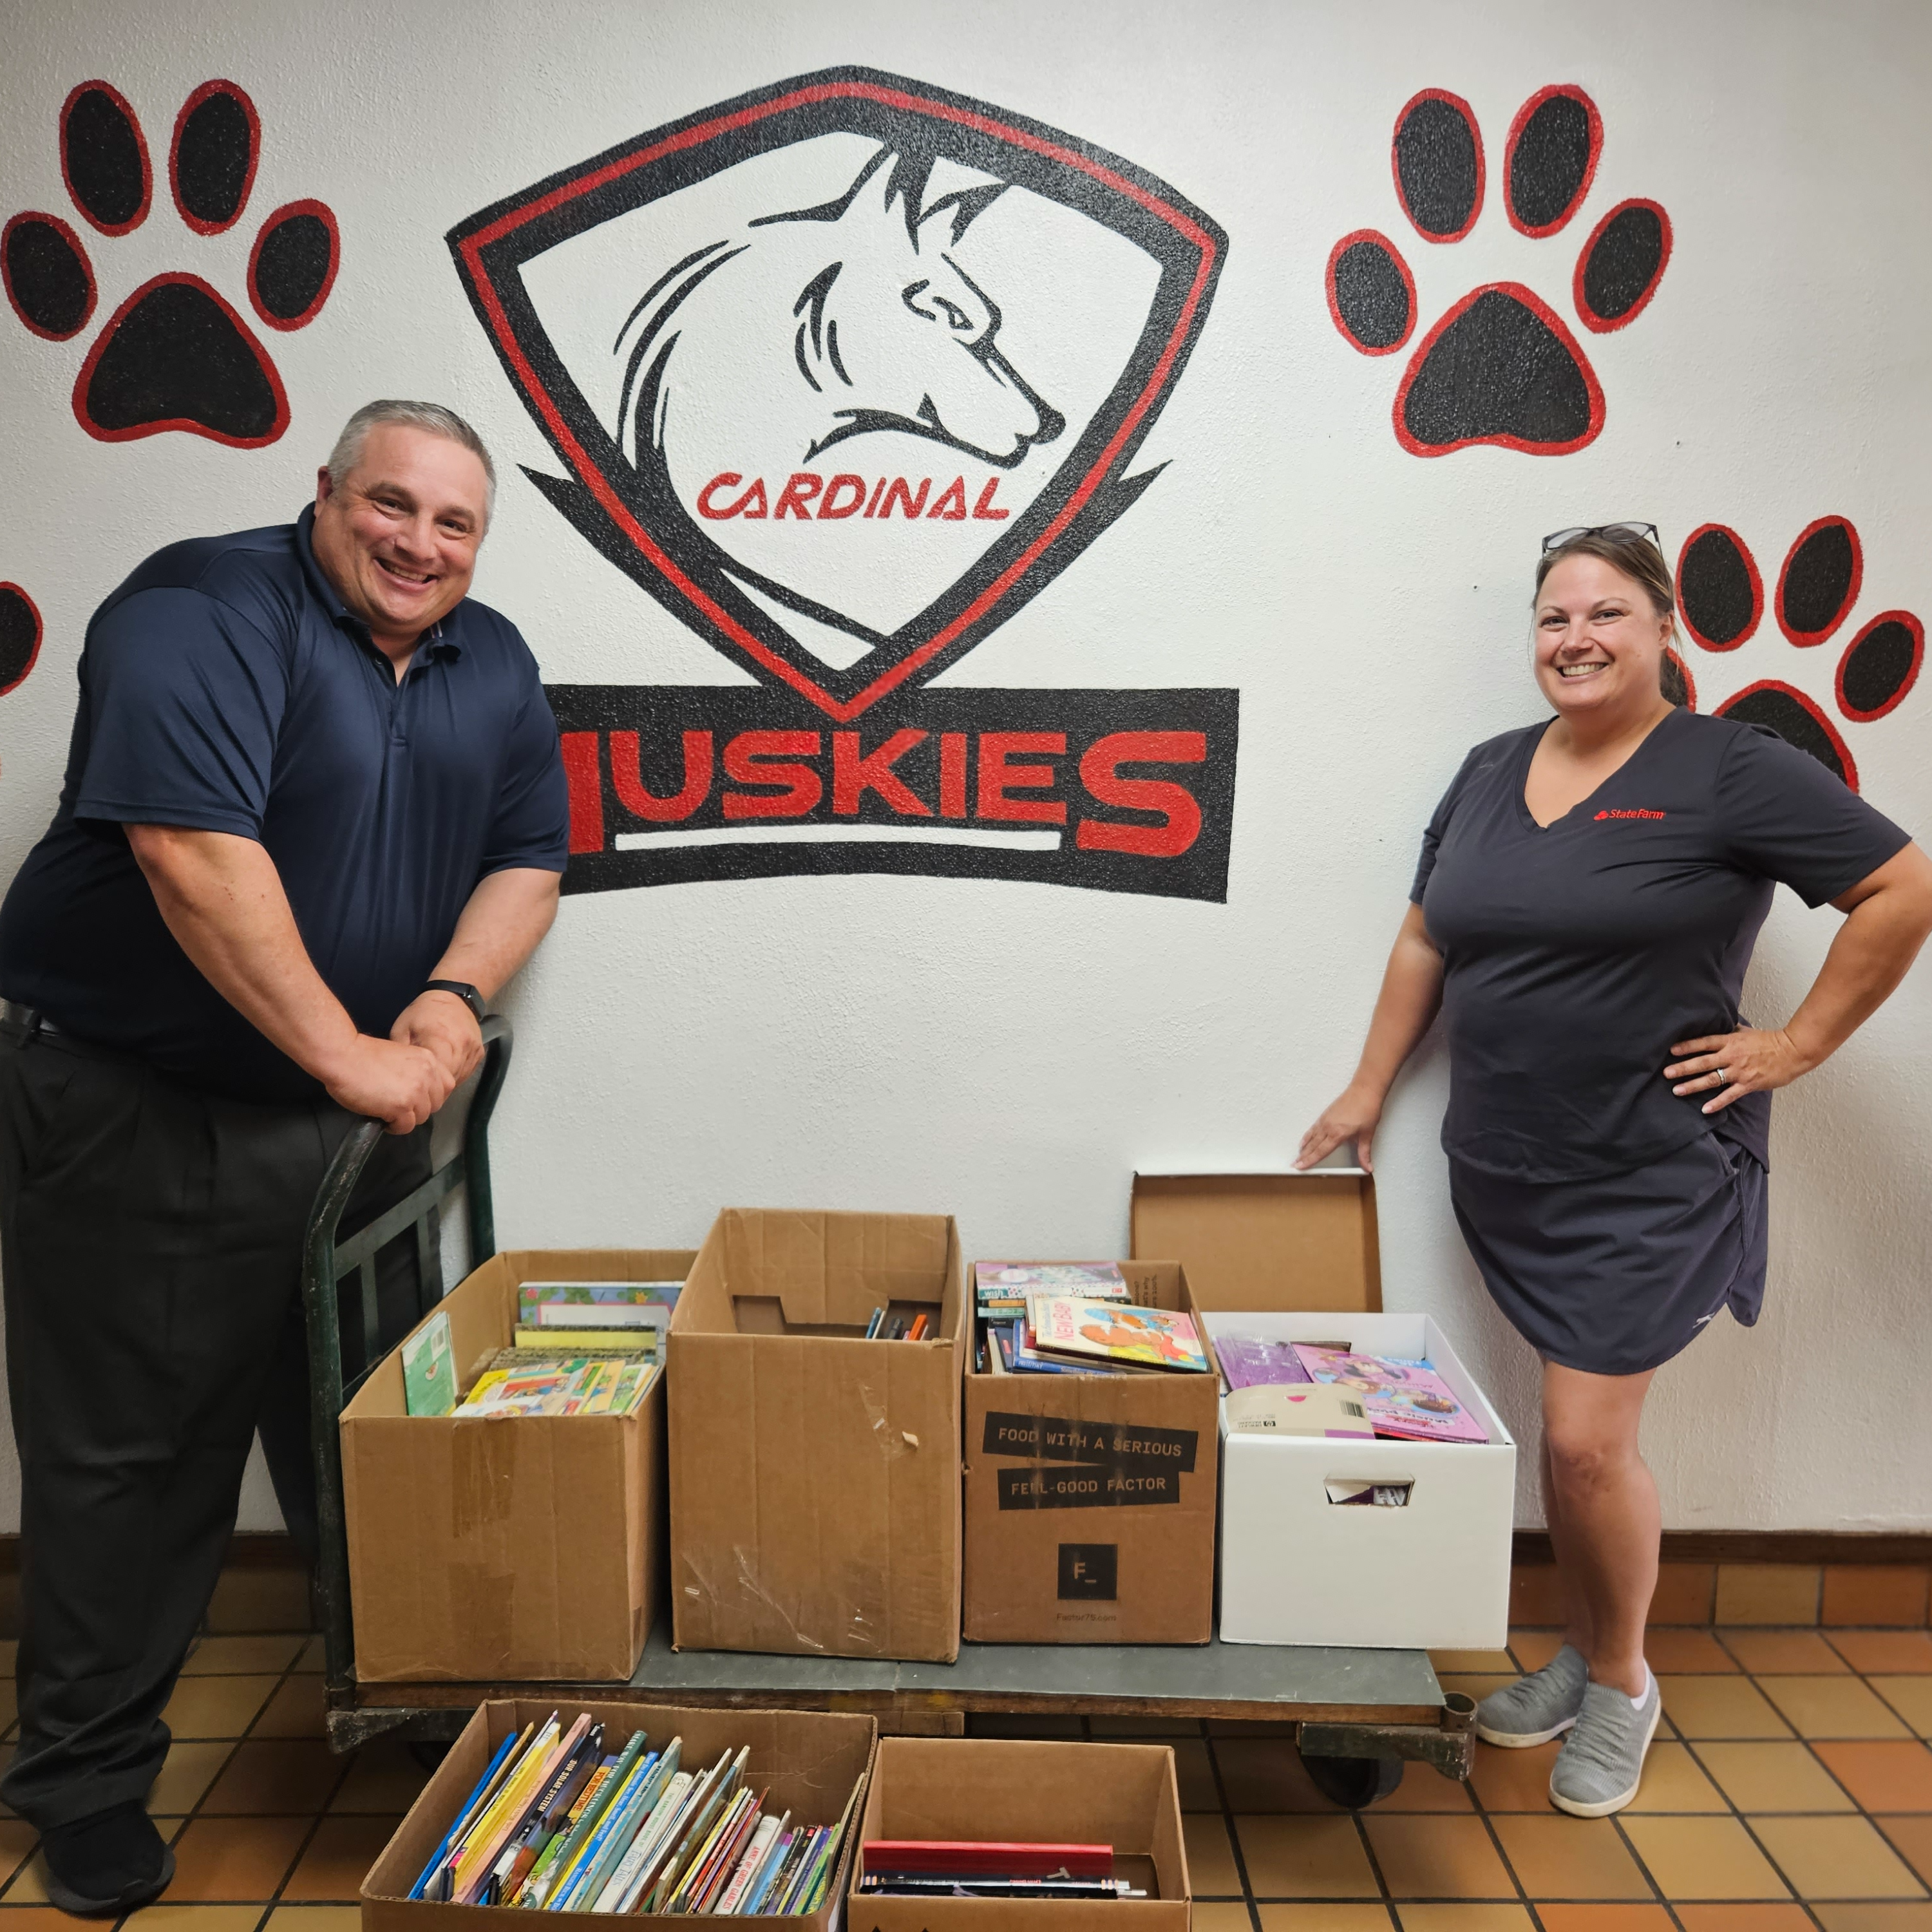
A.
pixel 885 331
pixel 843 369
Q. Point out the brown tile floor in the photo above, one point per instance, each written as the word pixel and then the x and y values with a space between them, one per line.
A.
pixel 1790 1787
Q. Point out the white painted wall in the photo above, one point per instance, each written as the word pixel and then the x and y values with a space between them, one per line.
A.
pixel 845 1043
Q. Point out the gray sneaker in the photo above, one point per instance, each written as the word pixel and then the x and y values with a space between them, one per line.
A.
pixel 1535 1708
pixel 1599 1769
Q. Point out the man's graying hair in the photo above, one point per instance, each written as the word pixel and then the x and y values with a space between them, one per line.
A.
pixel 430 416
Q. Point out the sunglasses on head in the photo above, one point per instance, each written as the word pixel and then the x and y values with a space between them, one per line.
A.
pixel 1616 532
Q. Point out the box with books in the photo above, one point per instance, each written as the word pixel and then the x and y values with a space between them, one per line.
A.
pixel 1356 1447
pixel 506 1503
pixel 660 1813
pixel 1090 1474
pixel 814 1401
pixel 979 1832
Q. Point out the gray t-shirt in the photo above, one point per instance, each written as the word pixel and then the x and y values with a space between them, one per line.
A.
pixel 1575 955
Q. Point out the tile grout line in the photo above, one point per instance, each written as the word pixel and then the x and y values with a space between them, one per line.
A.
pixel 1234 1837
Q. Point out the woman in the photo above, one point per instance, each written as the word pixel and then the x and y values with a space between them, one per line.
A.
pixel 1589 891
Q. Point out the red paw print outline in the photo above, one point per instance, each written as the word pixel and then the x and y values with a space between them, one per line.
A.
pixel 176 354
pixel 1502 367
pixel 1721 599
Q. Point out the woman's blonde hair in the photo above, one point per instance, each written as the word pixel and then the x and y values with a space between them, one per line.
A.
pixel 1639 560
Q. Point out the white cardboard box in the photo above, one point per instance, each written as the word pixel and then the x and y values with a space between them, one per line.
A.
pixel 1297 1567
pixel 1295 1256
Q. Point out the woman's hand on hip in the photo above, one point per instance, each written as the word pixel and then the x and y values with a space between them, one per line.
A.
pixel 1353 1117
pixel 1726 1066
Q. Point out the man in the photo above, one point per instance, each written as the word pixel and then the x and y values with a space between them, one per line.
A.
pixel 313 817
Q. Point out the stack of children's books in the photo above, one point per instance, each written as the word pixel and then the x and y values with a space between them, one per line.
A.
pixel 1402 1399
pixel 1076 1318
pixel 579 1348
pixel 557 1823
pixel 935 1868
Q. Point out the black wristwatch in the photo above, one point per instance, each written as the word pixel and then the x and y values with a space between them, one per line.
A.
pixel 464 991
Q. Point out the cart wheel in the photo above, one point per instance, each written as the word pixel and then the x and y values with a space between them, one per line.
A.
pixel 1354 1782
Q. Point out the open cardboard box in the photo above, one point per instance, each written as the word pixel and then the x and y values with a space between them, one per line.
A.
pixel 1090 1498
pixel 527 1547
pixel 990 1788
pixel 809 1760
pixel 1294 1256
pixel 815 1475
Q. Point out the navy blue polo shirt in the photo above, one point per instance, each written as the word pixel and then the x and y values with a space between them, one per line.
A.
pixel 1575 955
pixel 225 687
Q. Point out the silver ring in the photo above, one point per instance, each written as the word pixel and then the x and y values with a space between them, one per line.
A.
pixel 1723 1075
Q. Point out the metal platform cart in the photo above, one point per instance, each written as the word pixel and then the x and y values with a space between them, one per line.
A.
pixel 1355 1715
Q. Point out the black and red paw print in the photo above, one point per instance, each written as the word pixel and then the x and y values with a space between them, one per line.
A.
pixel 1720 597
pixel 1502 367
pixel 19 636
pixel 176 354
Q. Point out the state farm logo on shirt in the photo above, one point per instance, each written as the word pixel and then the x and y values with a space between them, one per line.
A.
pixel 842 372
pixel 1632 812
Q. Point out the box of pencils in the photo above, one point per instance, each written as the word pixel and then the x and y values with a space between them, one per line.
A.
pixel 655 1811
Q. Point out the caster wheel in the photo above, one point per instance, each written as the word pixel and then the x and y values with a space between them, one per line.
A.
pixel 1354 1782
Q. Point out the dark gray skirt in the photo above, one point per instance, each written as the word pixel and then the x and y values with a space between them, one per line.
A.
pixel 1616 1275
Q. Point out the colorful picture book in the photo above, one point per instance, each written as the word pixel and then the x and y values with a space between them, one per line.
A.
pixel 429 1368
pixel 541 1302
pixel 1008 1354
pixel 1069 1328
pixel 557 1824
pixel 1405 1400
pixel 601 1385
pixel 1001 1288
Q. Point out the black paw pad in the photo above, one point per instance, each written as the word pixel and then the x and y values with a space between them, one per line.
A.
pixel 293 265
pixel 1820 582
pixel 1620 265
pixel 1719 591
pixel 47 278
pixel 19 635
pixel 1438 165
pixel 1550 159
pixel 211 163
pixel 176 356
pixel 1796 719
pixel 1675 678
pixel 1880 665
pixel 1500 368
pixel 104 158
pixel 1371 295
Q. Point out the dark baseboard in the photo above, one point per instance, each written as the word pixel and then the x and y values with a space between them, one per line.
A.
pixel 1807 1546
pixel 275 1550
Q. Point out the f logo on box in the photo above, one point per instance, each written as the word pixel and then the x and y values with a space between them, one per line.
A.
pixel 1089 1571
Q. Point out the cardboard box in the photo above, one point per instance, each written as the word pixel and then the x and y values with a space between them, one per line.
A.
pixel 1120 1795
pixel 810 1760
pixel 1294 1256
pixel 1090 1499
pixel 533 1547
pixel 815 1475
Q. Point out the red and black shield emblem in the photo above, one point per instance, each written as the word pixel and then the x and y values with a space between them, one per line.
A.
pixel 844 371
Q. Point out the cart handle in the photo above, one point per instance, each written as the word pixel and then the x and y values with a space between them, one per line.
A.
pixel 325 1265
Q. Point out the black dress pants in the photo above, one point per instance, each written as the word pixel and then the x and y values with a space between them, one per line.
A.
pixel 150 1245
